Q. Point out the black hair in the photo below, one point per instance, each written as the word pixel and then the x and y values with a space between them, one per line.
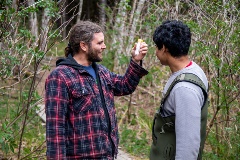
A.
pixel 82 31
pixel 175 36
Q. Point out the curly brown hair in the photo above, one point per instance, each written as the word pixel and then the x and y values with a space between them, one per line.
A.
pixel 82 31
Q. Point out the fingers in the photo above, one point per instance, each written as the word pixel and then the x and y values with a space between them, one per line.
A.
pixel 144 48
pixel 142 52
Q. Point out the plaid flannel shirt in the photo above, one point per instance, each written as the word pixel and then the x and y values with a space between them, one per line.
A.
pixel 76 126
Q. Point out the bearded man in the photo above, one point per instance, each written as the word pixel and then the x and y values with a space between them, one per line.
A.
pixel 81 120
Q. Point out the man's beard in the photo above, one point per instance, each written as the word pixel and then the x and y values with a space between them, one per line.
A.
pixel 93 56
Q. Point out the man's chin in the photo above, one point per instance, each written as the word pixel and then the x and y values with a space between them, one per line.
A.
pixel 96 60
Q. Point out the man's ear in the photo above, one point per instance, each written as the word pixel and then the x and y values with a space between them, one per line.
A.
pixel 164 48
pixel 83 46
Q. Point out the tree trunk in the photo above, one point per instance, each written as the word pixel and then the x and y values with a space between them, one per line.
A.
pixel 133 10
pixel 119 27
pixel 15 4
pixel 44 30
pixel 136 18
pixel 102 14
pixel 64 32
pixel 79 11
pixel 33 20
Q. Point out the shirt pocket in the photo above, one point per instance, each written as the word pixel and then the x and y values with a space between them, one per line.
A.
pixel 110 86
pixel 82 99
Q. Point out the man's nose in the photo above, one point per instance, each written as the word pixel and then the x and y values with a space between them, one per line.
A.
pixel 104 46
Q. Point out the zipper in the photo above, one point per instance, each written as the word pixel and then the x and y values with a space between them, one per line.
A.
pixel 105 111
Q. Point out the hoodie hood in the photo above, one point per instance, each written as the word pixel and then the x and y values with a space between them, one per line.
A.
pixel 70 61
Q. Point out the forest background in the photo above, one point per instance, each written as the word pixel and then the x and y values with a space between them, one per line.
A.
pixel 33 34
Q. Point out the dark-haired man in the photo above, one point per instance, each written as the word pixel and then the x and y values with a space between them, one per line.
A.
pixel 81 120
pixel 179 126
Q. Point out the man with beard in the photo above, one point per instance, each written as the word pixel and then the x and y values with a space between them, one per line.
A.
pixel 81 120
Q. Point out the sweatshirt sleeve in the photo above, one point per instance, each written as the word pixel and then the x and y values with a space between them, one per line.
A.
pixel 56 101
pixel 187 106
pixel 124 85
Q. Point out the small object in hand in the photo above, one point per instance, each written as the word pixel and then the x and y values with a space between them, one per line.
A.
pixel 138 46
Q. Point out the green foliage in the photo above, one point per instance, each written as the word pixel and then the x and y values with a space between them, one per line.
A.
pixel 10 131
pixel 21 131
pixel 123 59
pixel 49 5
pixel 215 47
pixel 108 60
pixel 7 142
pixel 222 65
pixel 134 136
pixel 134 142
pixel 58 50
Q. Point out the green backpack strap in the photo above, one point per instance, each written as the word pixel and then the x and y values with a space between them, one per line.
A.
pixel 192 78
pixel 186 77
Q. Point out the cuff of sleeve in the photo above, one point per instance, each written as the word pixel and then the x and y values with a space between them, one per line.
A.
pixel 138 68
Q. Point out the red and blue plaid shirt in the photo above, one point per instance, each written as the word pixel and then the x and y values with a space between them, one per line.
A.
pixel 76 125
